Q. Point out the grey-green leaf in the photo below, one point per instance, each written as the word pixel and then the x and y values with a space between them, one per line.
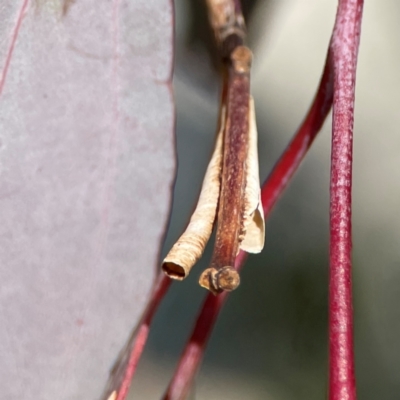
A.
pixel 86 169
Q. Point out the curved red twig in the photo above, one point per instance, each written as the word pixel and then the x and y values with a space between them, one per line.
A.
pixel 339 73
pixel 271 190
pixel 126 365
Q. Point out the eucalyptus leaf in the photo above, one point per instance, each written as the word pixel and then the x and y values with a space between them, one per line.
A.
pixel 86 170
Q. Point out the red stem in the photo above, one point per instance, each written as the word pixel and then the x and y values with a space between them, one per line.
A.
pixel 271 190
pixel 160 290
pixel 344 48
pixel 343 54
pixel 193 353
pixel 125 368
pixel 294 153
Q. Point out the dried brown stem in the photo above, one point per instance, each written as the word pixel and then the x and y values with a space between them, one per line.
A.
pixel 236 139
pixel 221 274
pixel 231 181
pixel 227 22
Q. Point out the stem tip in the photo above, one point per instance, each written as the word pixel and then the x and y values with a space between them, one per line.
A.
pixel 218 280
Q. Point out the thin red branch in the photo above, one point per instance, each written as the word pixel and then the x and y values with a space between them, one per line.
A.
pixel 344 48
pixel 125 368
pixel 192 355
pixel 294 153
pixel 142 334
pixel 271 190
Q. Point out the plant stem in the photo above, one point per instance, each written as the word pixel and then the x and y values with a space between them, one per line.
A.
pixel 294 153
pixel 342 55
pixel 344 46
pixel 221 274
pixel 227 22
pixel 271 190
pixel 192 355
pixel 126 365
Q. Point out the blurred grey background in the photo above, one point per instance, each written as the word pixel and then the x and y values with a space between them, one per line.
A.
pixel 270 341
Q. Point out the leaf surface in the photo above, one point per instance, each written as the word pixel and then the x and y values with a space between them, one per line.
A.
pixel 86 169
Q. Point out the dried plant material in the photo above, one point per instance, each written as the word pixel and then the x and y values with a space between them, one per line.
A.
pixel 231 205
pixel 227 278
pixel 113 395
pixel 254 225
pixel 190 246
pixel 241 59
pixel 231 183
pixel 217 280
pixel 225 19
